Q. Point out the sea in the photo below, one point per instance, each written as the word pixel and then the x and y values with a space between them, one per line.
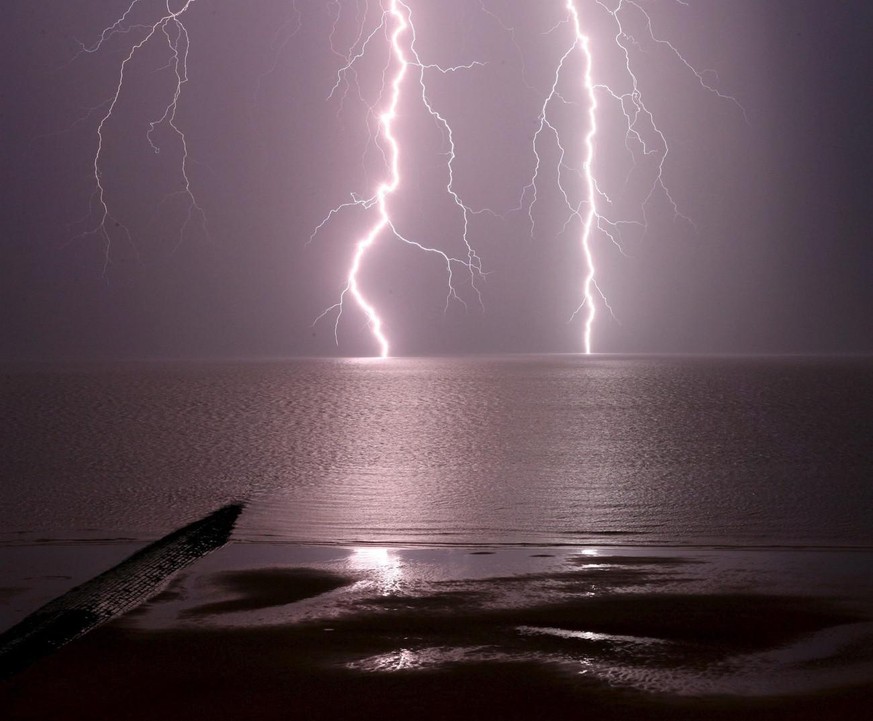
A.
pixel 563 450
pixel 648 537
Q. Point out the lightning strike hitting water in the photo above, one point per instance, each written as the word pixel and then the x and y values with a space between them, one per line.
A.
pixel 642 139
pixel 591 213
pixel 579 143
pixel 404 56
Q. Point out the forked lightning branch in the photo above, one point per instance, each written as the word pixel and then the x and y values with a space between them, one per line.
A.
pixel 392 26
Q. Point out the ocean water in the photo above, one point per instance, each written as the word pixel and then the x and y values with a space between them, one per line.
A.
pixel 540 450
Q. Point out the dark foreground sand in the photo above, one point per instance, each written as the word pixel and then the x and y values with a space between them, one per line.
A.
pixel 625 637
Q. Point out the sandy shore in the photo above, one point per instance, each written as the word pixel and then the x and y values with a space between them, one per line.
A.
pixel 273 632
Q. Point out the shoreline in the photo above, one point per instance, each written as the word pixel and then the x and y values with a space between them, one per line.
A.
pixel 375 632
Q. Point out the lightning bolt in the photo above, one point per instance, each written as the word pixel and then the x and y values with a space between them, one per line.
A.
pixel 404 81
pixel 643 139
pixel 591 213
pixel 170 29
pixel 396 20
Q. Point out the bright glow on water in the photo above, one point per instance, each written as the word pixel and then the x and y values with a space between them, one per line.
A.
pixel 540 450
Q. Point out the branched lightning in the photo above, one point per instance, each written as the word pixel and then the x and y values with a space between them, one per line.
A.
pixel 642 139
pixel 396 21
pixel 171 29
pixel 286 31
pixel 574 90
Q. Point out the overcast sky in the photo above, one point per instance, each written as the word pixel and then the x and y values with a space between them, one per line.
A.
pixel 779 257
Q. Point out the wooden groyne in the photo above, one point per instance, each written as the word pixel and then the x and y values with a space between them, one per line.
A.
pixel 114 592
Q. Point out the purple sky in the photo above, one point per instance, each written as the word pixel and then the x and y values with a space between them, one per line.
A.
pixel 781 259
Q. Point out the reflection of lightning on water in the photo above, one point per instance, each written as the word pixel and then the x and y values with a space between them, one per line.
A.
pixel 169 29
pixel 383 567
pixel 396 24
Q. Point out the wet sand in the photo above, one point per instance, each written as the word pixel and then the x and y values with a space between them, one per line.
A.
pixel 275 633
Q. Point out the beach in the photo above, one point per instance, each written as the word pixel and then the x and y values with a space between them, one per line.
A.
pixel 518 537
pixel 267 631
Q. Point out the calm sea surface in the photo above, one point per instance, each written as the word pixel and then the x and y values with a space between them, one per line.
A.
pixel 514 450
